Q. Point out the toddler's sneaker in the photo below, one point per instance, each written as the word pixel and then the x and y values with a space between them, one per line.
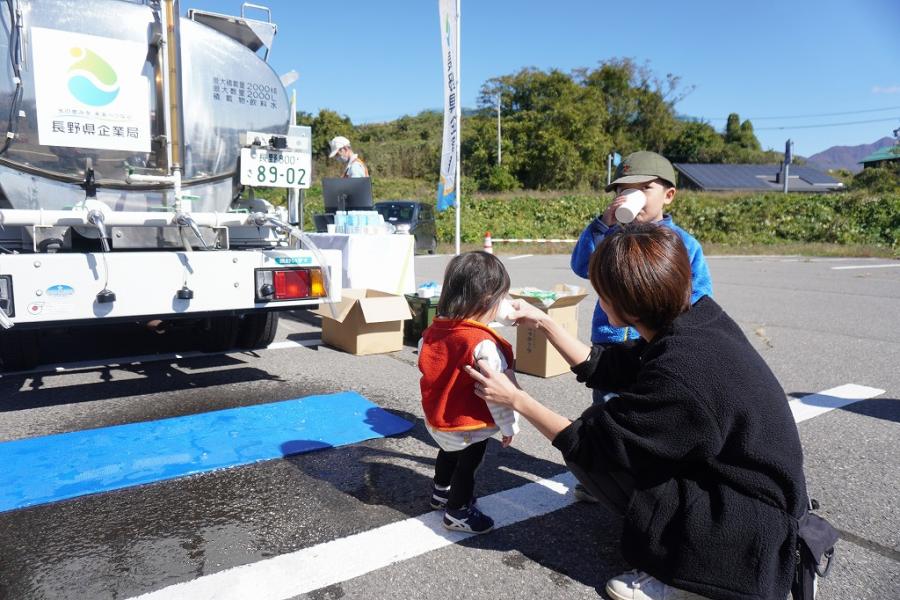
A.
pixel 439 496
pixel 637 585
pixel 468 519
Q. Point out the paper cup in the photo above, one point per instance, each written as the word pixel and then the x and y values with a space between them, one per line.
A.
pixel 634 202
pixel 330 228
pixel 504 313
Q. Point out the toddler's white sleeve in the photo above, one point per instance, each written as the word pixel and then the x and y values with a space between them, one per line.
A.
pixel 506 418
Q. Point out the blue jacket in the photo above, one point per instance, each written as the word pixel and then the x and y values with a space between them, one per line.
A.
pixel 601 331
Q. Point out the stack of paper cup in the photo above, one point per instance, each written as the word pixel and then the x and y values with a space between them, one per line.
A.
pixel 634 203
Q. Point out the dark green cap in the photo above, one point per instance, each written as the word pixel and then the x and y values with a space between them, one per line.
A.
pixel 641 167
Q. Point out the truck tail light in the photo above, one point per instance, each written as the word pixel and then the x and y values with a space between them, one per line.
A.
pixel 289 284
pixel 317 284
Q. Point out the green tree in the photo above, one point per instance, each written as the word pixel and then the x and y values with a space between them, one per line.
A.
pixel 696 142
pixel 741 145
pixel 639 105
pixel 558 127
pixel 748 138
pixel 326 125
pixel 733 129
pixel 552 129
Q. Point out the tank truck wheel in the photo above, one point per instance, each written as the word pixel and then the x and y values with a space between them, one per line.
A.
pixel 221 334
pixel 18 350
pixel 257 330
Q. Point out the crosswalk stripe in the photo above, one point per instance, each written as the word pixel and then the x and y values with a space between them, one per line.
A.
pixel 887 266
pixel 814 405
pixel 319 566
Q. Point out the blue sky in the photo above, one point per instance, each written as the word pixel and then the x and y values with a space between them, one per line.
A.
pixel 376 61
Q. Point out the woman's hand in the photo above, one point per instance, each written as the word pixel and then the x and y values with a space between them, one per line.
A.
pixel 526 313
pixel 502 388
pixel 499 388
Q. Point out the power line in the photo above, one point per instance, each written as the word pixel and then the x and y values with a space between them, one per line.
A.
pixel 826 124
pixel 834 114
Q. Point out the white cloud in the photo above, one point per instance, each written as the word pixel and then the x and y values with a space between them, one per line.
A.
pixel 891 89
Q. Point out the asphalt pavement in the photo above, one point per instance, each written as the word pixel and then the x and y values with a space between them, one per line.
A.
pixel 353 521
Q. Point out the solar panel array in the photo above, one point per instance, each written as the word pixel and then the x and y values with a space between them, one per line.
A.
pixel 754 177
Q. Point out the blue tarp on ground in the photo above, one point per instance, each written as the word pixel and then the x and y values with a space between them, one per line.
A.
pixel 67 465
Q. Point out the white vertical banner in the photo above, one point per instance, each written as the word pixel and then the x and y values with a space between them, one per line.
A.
pixel 448 188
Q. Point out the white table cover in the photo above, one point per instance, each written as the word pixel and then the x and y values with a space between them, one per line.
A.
pixel 382 262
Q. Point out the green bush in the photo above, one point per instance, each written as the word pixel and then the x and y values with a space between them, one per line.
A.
pixel 879 180
pixel 499 179
pixel 844 218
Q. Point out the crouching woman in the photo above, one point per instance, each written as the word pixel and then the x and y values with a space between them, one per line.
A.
pixel 697 449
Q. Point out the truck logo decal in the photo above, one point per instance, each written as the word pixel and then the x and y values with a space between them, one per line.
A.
pixel 293 260
pixel 91 79
pixel 60 290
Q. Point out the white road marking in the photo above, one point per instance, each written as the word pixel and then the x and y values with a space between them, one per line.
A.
pixel 332 562
pixel 760 256
pixel 814 405
pixel 786 257
pixel 519 256
pixel 313 568
pixel 536 240
pixel 130 361
pixel 293 344
pixel 885 266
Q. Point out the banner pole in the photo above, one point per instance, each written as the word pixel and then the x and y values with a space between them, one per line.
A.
pixel 458 126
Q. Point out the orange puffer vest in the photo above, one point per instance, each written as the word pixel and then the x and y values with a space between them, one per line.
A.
pixel 448 393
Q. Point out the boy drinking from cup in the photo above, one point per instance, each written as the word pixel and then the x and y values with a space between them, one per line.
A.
pixel 651 175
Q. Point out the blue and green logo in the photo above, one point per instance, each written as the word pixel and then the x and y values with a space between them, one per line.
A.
pixel 91 79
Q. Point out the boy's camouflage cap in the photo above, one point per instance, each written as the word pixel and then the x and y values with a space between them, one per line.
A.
pixel 641 167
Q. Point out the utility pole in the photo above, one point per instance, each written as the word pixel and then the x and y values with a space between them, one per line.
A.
pixel 788 157
pixel 499 149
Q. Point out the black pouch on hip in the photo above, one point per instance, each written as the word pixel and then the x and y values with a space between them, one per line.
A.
pixel 815 553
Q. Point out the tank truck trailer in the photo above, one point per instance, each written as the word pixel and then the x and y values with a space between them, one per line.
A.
pixel 134 140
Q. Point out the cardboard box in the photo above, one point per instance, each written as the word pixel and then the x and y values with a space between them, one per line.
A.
pixel 534 354
pixel 366 321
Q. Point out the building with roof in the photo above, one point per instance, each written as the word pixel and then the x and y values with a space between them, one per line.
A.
pixel 881 158
pixel 759 178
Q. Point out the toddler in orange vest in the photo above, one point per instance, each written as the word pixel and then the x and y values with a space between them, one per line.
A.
pixel 459 421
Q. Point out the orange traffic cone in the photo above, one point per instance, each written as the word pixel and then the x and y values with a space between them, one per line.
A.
pixel 488 245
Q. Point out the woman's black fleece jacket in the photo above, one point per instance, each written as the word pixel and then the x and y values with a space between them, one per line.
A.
pixel 704 427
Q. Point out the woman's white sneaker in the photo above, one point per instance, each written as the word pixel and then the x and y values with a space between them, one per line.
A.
pixel 637 585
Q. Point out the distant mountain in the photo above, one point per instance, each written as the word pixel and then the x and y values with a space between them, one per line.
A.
pixel 847 157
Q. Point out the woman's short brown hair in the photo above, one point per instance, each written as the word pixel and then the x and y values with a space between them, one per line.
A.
pixel 643 271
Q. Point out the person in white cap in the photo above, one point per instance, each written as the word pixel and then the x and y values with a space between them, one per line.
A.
pixel 355 167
